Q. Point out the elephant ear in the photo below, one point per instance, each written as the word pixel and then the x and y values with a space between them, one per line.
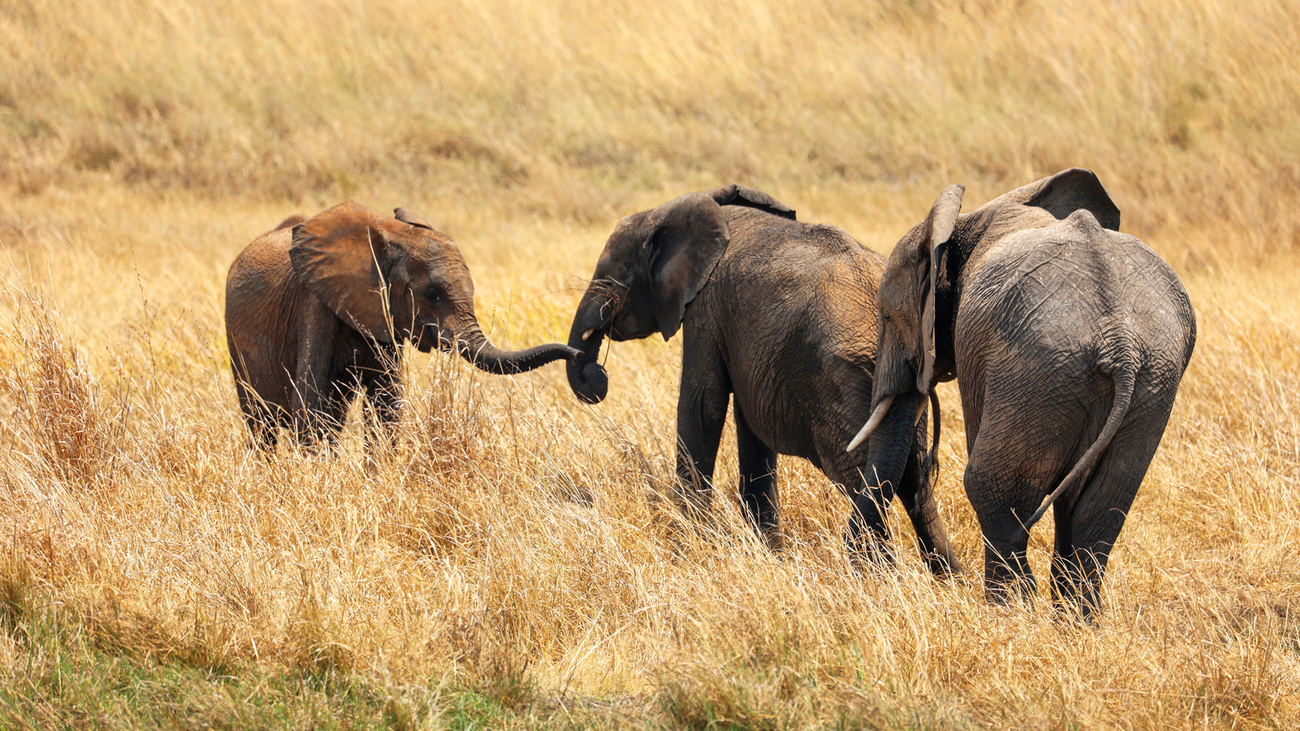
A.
pixel 932 250
pixel 1066 192
pixel 336 254
pixel 405 216
pixel 739 195
pixel 686 243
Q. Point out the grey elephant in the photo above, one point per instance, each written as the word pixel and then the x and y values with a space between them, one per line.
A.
pixel 777 315
pixel 317 310
pixel 1067 340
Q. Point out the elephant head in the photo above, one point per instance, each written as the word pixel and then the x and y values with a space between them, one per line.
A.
pixel 396 278
pixel 653 266
pixel 918 290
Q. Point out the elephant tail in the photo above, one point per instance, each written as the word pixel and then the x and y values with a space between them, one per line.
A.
pixel 1124 383
pixel 930 464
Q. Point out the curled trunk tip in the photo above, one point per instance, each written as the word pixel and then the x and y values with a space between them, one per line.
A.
pixel 587 378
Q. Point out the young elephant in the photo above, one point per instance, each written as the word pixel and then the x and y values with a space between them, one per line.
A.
pixel 317 310
pixel 779 315
pixel 1067 340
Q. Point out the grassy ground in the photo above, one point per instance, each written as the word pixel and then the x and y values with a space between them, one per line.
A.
pixel 513 562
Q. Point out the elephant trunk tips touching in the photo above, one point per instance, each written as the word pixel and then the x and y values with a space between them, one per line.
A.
pixel 587 378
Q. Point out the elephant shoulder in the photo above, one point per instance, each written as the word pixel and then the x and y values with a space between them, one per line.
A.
pixel 262 264
pixel 844 307
pixel 821 246
pixel 836 241
pixel 1021 252
pixel 1025 274
pixel 1061 285
pixel 1079 245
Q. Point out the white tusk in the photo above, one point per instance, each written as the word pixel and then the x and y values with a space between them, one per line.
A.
pixel 877 416
pixel 588 333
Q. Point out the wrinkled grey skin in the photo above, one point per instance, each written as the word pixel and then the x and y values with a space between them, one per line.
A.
pixel 777 314
pixel 1067 340
pixel 317 310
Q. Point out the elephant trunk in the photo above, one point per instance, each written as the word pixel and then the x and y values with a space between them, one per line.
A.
pixel 888 451
pixel 896 409
pixel 587 377
pixel 892 440
pixel 895 371
pixel 474 347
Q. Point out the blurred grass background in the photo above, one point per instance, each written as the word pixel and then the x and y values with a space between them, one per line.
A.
pixel 1185 107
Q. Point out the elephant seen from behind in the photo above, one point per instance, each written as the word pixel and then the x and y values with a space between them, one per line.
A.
pixel 1068 341
pixel 779 318
pixel 317 311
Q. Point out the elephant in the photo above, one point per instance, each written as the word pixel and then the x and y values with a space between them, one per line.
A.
pixel 777 315
pixel 317 311
pixel 1067 339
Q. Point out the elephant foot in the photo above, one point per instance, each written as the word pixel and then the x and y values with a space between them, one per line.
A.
pixel 775 540
pixel 1075 614
pixel 870 552
pixel 1005 592
pixel 945 568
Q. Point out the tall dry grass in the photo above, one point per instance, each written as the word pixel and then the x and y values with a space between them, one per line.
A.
pixel 516 546
pixel 1185 106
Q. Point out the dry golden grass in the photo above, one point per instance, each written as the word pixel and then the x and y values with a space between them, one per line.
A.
pixel 516 546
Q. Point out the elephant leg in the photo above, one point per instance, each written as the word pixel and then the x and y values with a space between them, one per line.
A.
pixel 1069 575
pixel 701 414
pixel 332 412
pixel 758 482
pixel 1095 518
pixel 382 382
pixel 322 385
pixel 320 407
pixel 383 410
pixel 1029 438
pixel 260 417
pixel 916 491
pixel 1079 560
pixel 1002 498
pixel 881 473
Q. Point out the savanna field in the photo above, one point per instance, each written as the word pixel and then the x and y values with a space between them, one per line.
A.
pixel 515 560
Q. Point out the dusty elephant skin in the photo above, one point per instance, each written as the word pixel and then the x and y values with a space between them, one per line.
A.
pixel 317 310
pixel 1067 340
pixel 776 314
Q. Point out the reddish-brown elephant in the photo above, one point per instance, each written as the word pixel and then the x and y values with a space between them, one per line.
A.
pixel 317 311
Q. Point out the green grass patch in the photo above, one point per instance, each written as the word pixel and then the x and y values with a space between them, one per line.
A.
pixel 67 673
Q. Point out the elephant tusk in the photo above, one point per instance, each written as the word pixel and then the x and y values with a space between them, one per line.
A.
pixel 877 416
pixel 588 333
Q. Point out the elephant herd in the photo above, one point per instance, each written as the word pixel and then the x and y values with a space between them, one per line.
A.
pixel 1067 340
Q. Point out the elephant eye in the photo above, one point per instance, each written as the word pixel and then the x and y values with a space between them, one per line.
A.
pixel 433 296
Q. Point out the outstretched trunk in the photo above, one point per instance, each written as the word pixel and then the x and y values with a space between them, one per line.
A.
pixel 474 347
pixel 587 378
